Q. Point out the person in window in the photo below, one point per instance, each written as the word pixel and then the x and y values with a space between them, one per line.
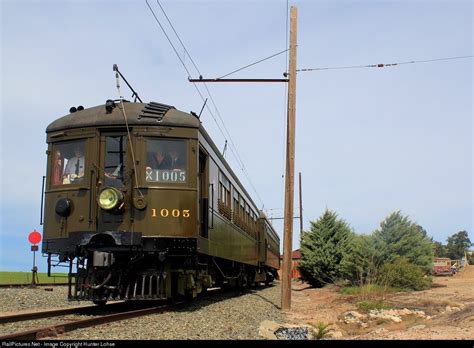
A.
pixel 74 170
pixel 57 168
pixel 114 176
pixel 158 160
pixel 115 172
pixel 177 160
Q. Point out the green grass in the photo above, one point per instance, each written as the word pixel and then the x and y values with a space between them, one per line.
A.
pixel 25 278
pixel 366 306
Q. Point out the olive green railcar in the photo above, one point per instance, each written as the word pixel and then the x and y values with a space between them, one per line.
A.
pixel 142 205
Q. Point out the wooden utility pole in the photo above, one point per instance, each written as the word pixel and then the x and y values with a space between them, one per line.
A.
pixel 290 157
pixel 290 168
pixel 301 209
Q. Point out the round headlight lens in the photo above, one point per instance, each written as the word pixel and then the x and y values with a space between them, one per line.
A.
pixel 110 198
pixel 63 207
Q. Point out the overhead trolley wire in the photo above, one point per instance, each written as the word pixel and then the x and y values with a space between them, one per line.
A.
pixel 167 37
pixel 236 154
pixel 232 147
pixel 181 42
pixel 239 160
pixel 384 65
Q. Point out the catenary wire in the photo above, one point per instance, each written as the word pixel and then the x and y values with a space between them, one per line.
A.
pixel 184 65
pixel 236 155
pixel 240 162
pixel 383 65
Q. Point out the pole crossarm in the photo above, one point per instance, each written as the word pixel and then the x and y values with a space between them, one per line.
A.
pixel 237 80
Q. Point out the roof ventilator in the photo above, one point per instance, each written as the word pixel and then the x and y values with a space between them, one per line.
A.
pixel 155 110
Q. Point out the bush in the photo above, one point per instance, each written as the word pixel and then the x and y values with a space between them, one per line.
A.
pixel 364 261
pixel 320 330
pixel 402 274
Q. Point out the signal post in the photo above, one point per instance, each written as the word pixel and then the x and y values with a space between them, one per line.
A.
pixel 34 238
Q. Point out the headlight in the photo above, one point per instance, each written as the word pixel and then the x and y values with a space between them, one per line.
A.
pixel 63 207
pixel 110 198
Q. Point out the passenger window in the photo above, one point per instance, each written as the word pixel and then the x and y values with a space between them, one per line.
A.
pixel 68 163
pixel 166 161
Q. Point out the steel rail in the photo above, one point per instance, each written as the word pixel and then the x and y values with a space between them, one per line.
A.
pixel 61 328
pixel 29 285
pixel 54 313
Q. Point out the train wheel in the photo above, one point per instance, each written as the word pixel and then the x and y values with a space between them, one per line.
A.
pixel 100 303
pixel 269 279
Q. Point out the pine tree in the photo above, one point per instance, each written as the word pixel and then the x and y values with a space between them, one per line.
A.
pixel 400 237
pixel 457 244
pixel 325 249
pixel 365 260
pixel 439 249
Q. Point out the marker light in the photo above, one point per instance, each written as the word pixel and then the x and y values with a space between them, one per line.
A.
pixel 110 198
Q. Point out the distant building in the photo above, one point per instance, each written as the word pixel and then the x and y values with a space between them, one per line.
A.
pixel 295 261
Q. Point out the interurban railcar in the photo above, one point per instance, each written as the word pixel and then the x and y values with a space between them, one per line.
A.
pixel 133 222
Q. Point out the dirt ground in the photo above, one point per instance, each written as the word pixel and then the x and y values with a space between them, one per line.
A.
pixel 448 311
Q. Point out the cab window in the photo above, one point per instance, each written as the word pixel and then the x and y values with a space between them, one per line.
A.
pixel 68 162
pixel 114 160
pixel 167 161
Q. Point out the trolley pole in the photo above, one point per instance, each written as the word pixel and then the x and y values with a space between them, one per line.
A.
pixel 290 168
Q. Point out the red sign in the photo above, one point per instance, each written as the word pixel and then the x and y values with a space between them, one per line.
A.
pixel 34 237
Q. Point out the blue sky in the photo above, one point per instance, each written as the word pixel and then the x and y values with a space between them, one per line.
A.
pixel 368 141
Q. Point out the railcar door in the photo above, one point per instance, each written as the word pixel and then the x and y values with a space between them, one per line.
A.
pixel 114 185
pixel 69 189
pixel 203 184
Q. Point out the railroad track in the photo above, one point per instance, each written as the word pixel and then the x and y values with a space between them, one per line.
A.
pixel 124 312
pixel 54 313
pixel 30 285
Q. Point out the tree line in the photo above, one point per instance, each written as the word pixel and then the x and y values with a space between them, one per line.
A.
pixel 398 254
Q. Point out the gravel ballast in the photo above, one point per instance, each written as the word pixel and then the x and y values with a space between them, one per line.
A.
pixel 224 316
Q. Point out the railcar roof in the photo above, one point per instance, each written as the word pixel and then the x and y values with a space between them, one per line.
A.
pixel 150 114
pixel 138 114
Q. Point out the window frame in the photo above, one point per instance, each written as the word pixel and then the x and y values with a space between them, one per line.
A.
pixel 53 168
pixel 144 163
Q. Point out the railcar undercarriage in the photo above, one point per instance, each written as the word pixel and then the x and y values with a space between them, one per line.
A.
pixel 103 274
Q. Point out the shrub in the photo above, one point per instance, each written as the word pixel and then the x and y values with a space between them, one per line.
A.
pixel 364 260
pixel 402 274
pixel 321 330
